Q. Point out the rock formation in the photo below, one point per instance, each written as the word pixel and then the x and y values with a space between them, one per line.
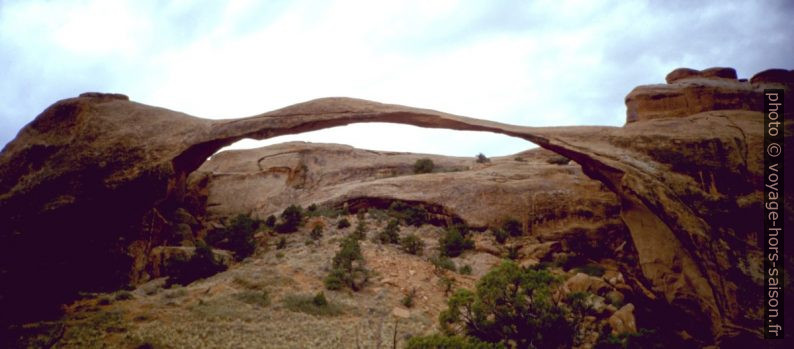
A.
pixel 86 183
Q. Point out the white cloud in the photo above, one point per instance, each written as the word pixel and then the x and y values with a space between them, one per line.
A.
pixel 540 63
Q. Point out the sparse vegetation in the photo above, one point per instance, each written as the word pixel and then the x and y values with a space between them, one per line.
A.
pixel 258 298
pixel 408 299
pixel 442 263
pixel 481 158
pixel 348 267
pixel 513 227
pixel 500 235
pixel 558 160
pixel 361 229
pixel 390 233
pixel 317 232
pixel 291 219
pixel 282 243
pixel 424 165
pixel 465 270
pixel 313 305
pixel 237 236
pixel 438 341
pixel 200 265
pixel 412 244
pixel 415 215
pixel 454 242
pixel 510 305
pixel 512 252
pixel 447 284
pixel 343 223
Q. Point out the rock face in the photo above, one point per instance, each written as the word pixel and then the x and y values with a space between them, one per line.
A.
pixel 86 184
pixel 690 91
pixel 548 199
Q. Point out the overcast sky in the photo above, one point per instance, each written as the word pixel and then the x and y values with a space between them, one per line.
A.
pixel 535 63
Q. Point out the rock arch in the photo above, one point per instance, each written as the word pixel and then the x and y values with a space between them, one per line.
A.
pixel 96 163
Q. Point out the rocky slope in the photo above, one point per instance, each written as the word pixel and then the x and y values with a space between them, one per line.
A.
pixel 99 177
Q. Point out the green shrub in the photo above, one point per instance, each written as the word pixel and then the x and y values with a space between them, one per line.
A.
pixel 317 232
pixel 343 223
pixel 453 242
pixel 500 235
pixel 481 158
pixel 441 263
pixel 361 230
pixel 512 252
pixel 423 166
pixel 412 244
pixel 411 215
pixel 390 234
pixel 200 265
pixel 291 219
pixel 558 160
pixel 347 268
pixel 408 299
pixel 312 305
pixel 439 341
pixel 258 298
pixel 510 305
pixel 237 236
pixel 512 227
pixel 465 270
pixel 319 299
pixel 270 222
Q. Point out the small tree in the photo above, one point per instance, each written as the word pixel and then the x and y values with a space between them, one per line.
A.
pixel 343 223
pixel 453 243
pixel 390 234
pixel 424 165
pixel 412 244
pixel 510 305
pixel 481 158
pixel 291 219
pixel 347 268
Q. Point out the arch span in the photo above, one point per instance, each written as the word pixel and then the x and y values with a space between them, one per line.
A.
pixel 83 157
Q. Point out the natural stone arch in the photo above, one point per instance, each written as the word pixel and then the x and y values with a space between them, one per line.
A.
pixel 114 151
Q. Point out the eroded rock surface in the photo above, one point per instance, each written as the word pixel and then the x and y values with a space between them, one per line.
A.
pixel 85 184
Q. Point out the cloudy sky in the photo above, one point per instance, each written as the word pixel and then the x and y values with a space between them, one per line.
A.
pixel 534 63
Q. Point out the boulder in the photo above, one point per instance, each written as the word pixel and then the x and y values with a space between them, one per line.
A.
pixel 622 321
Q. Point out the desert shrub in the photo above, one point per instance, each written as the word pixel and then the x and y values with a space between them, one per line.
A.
pixel 390 233
pixel 439 341
pixel 408 299
pixel 200 265
pixel 441 263
pixel 237 236
pixel 361 229
pixel 423 166
pixel 512 227
pixel 312 208
pixel 282 243
pixel 258 298
pixel 378 214
pixel 512 252
pixel 519 159
pixel 343 223
pixel 270 222
pixel 510 305
pixel 453 242
pixel 447 284
pixel 291 219
pixel 500 235
pixel 347 267
pixel 411 215
pixel 317 232
pixel 313 305
pixel 558 160
pixel 465 270
pixel 481 158
pixel 412 244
